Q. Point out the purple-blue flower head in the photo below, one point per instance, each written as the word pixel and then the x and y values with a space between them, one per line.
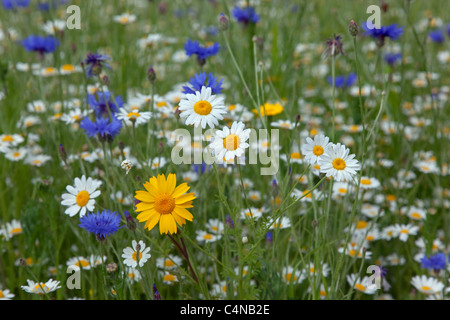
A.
pixel 245 15
pixel 436 36
pixel 392 58
pixel 392 31
pixel 40 44
pixel 101 224
pixel 434 262
pixel 202 53
pixel 199 80
pixel 102 104
pixel 94 63
pixel 343 81
pixel 15 4
pixel 105 129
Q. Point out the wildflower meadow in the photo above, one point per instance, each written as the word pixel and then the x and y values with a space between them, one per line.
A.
pixel 224 150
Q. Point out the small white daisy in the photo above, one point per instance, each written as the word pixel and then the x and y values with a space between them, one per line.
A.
pixel 202 108
pixel 81 196
pixel 131 257
pixel 405 230
pixel 230 142
pixel 41 288
pixel 337 163
pixel 314 149
pixel 361 285
pixel 427 285
pixel 135 117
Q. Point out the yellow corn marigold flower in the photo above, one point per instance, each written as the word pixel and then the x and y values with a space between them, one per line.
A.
pixel 269 109
pixel 162 201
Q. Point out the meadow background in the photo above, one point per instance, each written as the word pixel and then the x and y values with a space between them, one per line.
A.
pixel 401 137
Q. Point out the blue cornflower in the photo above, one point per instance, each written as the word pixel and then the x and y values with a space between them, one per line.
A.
pixel 50 4
pixel 199 80
pixel 434 262
pixel 392 31
pixel 102 104
pixel 245 15
pixel 94 63
pixel 202 53
pixel 40 44
pixel 101 224
pixel 436 36
pixel 105 129
pixel 343 81
pixel 392 58
pixel 14 4
pixel 448 29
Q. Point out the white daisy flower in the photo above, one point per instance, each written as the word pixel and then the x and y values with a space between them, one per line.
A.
pixel 369 183
pixel 361 285
pixel 5 294
pixel 16 154
pixel 79 262
pixel 169 263
pixel 314 149
pixel 81 197
pixel 202 108
pixel 124 18
pixel 289 275
pixel 169 278
pixel 13 228
pixel 337 163
pixel 131 254
pixel 11 140
pixel 427 285
pixel 204 236
pixel 133 116
pixel 230 143
pixel 405 230
pixel 41 288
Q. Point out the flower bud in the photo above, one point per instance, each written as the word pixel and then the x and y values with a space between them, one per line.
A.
pixel 353 28
pixel 223 22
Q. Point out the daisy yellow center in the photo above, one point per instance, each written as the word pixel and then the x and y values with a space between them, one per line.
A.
pixel 133 115
pixel 339 164
pixel 365 181
pixel 426 288
pixel 164 203
pixel 289 276
pixel 360 287
pixel 404 231
pixel 312 270
pixel 15 231
pixel 416 215
pixel 134 256
pixel 352 253
pixel 370 238
pixel 16 154
pixel 342 190
pixel 1 294
pixel 68 67
pixel 391 197
pixel 41 287
pixel 82 198
pixel 169 277
pixel 82 263
pixel 124 20
pixel 169 263
pixel 203 107
pixel 231 107
pixel 231 142
pixel 318 151
pixel 296 155
pixel 361 225
pixel 207 236
pixel 8 138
